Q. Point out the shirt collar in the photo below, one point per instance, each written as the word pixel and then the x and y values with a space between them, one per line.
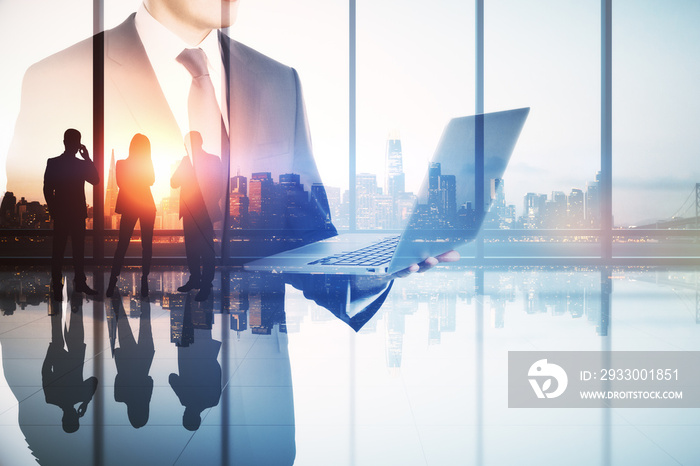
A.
pixel 160 42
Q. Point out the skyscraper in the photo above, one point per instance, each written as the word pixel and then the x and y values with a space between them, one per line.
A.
pixel 534 206
pixel 556 211
pixel 575 208
pixel 111 194
pixel 395 181
pixel 239 202
pixel 404 208
pixel 498 214
pixel 238 210
pixel 366 188
pixel 384 207
pixel 448 197
pixel 593 203
pixel 261 198
pixel 294 199
pixel 239 184
pixel 434 185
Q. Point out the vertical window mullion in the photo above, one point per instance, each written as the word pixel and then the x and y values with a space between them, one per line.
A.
pixel 352 115
pixel 606 223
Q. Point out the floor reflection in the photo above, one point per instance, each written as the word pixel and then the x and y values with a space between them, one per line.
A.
pixel 323 370
pixel 133 385
pixel 62 371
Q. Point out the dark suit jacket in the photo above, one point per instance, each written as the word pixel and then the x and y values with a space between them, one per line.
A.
pixel 192 203
pixel 267 119
pixel 135 178
pixel 64 187
pixel 196 192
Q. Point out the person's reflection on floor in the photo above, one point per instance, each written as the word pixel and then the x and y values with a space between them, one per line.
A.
pixel 62 371
pixel 133 358
pixel 198 384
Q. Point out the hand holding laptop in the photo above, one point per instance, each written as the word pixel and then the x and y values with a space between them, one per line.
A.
pixel 427 264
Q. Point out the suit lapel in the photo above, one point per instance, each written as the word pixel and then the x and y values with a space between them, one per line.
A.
pixel 129 70
pixel 243 99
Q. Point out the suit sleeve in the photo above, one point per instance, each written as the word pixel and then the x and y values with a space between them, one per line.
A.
pixel 318 216
pixel 91 175
pixel 49 193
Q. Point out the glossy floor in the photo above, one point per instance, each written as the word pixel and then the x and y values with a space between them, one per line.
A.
pixel 277 378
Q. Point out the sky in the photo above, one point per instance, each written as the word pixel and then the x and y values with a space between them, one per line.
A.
pixel 415 71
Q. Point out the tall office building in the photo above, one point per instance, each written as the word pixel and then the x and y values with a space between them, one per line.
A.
pixel 238 210
pixel 261 198
pixel 384 218
pixel 533 208
pixel 498 195
pixel 575 208
pixel 448 199
pixel 293 197
pixel 501 215
pixel 239 202
pixel 291 182
pixel 593 203
pixel 509 218
pixel 395 181
pixel 556 211
pixel 111 194
pixel 170 213
pixel 239 184
pixel 404 208
pixel 366 189
pixel 434 185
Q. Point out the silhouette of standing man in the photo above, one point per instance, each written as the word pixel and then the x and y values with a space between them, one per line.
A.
pixel 64 191
pixel 201 191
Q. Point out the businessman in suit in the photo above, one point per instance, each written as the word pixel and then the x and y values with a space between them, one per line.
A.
pixel 199 180
pixel 263 120
pixel 64 191
pixel 148 89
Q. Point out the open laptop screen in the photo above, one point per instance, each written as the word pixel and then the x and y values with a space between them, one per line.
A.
pixel 461 182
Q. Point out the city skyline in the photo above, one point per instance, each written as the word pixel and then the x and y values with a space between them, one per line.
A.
pixel 375 210
pixel 378 207
pixel 653 140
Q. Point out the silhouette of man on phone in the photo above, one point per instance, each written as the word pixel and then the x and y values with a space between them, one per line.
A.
pixel 64 191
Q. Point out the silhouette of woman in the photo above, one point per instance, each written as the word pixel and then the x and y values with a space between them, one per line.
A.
pixel 135 176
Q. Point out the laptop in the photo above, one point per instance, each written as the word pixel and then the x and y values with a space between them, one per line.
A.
pixel 446 212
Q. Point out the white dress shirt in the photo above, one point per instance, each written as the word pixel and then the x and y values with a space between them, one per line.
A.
pixel 162 47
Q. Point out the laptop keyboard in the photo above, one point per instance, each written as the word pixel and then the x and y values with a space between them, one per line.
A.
pixel 375 254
